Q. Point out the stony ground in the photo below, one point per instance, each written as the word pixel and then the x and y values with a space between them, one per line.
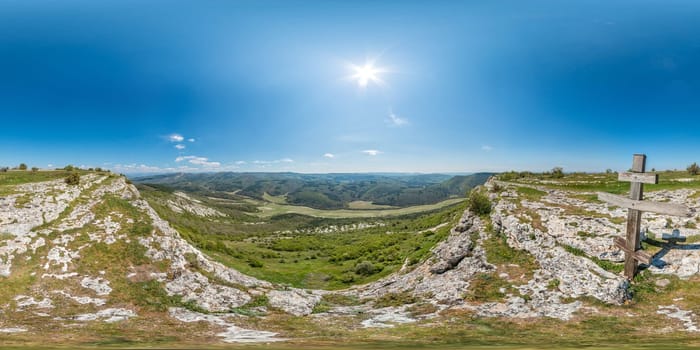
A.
pixel 96 259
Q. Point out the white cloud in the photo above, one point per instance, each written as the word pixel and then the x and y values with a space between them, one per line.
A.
pixel 190 140
pixel 486 148
pixel 240 162
pixel 395 120
pixel 371 152
pixel 198 161
pixel 329 155
pixel 180 146
pixel 175 138
pixel 140 168
pixel 277 161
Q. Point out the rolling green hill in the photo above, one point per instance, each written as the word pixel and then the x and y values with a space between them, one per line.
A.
pixel 325 191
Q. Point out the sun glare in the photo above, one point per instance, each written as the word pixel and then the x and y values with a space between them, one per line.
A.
pixel 365 74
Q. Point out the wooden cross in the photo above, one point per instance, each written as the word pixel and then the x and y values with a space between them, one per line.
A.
pixel 632 244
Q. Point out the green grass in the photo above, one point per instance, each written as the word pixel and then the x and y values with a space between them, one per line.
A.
pixel 604 264
pixel 486 287
pixel 602 182
pixel 530 194
pixel 499 252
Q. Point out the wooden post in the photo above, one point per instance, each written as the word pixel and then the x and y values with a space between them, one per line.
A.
pixel 634 217
pixel 632 245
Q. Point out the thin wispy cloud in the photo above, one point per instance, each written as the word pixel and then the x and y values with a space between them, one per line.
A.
pixel 329 155
pixel 190 140
pixel 180 146
pixel 371 152
pixel 276 161
pixel 203 161
pixel 396 121
pixel 486 148
pixel 176 138
pixel 241 162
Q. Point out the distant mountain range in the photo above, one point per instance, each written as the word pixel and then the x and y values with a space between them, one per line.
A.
pixel 325 191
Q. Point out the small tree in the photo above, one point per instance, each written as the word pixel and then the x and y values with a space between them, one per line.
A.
pixel 3 169
pixel 22 166
pixel 68 167
pixel 478 203
pixel 694 169
pixel 73 179
pixel 557 172
pixel 35 169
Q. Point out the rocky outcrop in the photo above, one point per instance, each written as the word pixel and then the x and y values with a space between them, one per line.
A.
pixel 182 203
pixel 296 301
pixel 444 277
pixel 190 274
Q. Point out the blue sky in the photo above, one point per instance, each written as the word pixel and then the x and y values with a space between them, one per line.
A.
pixel 153 86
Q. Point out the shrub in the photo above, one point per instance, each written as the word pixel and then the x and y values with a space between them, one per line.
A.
pixel 68 168
pixel 347 278
pixel 478 203
pixel 73 179
pixel 35 169
pixel 365 268
pixel 22 166
pixel 557 172
pixel 694 169
pixel 255 263
pixel 3 169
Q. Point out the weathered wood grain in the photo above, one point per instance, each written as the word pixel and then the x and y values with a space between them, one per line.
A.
pixel 634 217
pixel 639 255
pixel 647 178
pixel 672 209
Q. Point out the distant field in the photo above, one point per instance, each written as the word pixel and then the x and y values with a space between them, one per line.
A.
pixel 269 209
pixel 368 205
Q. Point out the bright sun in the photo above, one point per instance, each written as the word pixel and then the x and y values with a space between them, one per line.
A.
pixel 365 74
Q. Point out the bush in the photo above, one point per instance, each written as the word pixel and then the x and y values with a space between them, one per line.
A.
pixel 3 169
pixel 68 168
pixel 694 169
pixel 73 179
pixel 347 278
pixel 557 172
pixel 22 166
pixel 479 204
pixel 254 263
pixel 365 268
pixel 35 169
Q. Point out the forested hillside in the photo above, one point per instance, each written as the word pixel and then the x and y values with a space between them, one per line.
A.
pixel 326 191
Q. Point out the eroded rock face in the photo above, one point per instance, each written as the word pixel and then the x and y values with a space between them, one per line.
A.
pixel 685 316
pixel 184 203
pixel 443 278
pixel 296 301
pixel 231 333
